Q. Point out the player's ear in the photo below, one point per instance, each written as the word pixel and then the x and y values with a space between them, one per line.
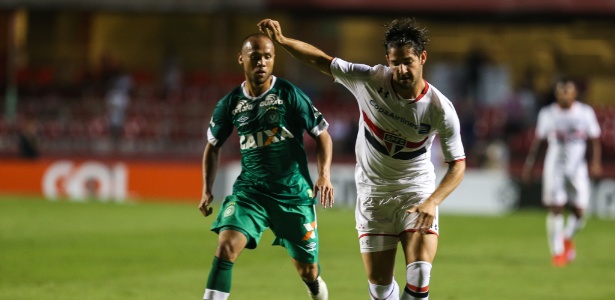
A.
pixel 423 57
pixel 239 58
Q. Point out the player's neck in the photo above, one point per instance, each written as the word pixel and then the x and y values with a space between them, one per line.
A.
pixel 255 89
pixel 410 92
pixel 565 106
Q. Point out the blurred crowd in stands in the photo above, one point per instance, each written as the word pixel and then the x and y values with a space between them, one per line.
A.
pixel 130 114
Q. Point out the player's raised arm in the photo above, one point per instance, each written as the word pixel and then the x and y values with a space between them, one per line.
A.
pixel 300 50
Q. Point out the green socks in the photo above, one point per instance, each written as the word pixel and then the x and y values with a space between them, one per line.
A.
pixel 220 275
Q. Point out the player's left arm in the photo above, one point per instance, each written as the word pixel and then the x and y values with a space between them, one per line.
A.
pixel 324 154
pixel 450 181
pixel 449 132
pixel 595 165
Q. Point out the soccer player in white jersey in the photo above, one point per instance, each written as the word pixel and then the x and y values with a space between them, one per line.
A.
pixel 401 113
pixel 567 125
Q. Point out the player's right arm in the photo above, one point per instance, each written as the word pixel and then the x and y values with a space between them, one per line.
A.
pixel 542 127
pixel 300 50
pixel 530 160
pixel 211 160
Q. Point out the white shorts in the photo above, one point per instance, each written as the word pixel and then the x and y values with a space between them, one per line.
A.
pixel 559 189
pixel 380 220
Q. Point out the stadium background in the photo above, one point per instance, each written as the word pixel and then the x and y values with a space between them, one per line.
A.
pixel 68 66
pixel 64 62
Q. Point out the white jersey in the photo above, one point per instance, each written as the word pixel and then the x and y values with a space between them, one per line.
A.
pixel 567 131
pixel 395 135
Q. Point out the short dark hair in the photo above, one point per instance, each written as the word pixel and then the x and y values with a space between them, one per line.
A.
pixel 405 32
pixel 565 79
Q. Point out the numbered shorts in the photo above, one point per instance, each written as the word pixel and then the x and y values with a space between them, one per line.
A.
pixel 380 220
pixel 559 189
pixel 294 226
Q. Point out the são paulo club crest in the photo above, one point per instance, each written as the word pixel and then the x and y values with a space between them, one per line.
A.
pixel 393 143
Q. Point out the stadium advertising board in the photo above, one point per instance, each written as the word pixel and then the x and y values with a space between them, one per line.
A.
pixel 486 192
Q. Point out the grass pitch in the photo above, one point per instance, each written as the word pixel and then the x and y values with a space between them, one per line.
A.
pixel 67 250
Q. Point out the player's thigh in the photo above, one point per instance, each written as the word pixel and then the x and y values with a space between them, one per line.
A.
pixel 296 229
pixel 407 221
pixel 553 188
pixel 419 247
pixel 375 223
pixel 579 190
pixel 242 213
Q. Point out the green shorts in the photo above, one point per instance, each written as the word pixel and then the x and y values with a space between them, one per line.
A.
pixel 293 225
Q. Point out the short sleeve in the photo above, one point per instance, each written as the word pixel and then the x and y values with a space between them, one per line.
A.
pixel 594 128
pixel 542 125
pixel 348 74
pixel 309 117
pixel 220 125
pixel 449 133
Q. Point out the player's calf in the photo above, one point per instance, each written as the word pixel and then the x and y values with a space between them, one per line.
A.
pixel 219 281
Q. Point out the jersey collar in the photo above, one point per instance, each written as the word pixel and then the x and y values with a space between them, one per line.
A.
pixel 245 93
pixel 419 97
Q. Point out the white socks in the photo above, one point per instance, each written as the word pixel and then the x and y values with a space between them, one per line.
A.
pixel 417 281
pixel 384 292
pixel 214 295
pixel 555 233
pixel 573 224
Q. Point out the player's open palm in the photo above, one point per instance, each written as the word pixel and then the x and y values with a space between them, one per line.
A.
pixel 325 188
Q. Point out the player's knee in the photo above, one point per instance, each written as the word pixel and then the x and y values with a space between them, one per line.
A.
pixel 380 279
pixel 417 279
pixel 227 250
pixel 578 212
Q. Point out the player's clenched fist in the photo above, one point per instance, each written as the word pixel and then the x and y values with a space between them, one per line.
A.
pixel 204 207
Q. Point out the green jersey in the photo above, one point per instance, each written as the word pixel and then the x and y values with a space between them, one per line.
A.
pixel 270 129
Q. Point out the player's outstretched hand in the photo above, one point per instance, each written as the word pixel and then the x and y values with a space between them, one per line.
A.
pixel 325 188
pixel 426 217
pixel 272 29
pixel 204 207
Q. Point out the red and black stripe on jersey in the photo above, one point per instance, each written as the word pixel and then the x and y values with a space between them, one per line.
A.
pixel 393 145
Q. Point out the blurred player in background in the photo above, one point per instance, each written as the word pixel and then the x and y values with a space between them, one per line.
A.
pixel 400 116
pixel 274 189
pixel 567 125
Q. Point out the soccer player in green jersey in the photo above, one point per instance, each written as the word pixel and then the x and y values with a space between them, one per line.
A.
pixel 274 189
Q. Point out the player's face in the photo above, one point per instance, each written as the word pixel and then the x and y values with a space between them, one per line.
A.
pixel 406 65
pixel 257 58
pixel 565 94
